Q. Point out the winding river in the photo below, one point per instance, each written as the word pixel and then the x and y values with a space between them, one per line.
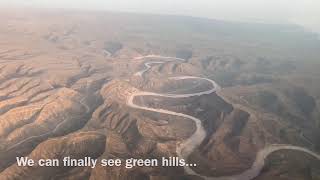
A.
pixel 187 146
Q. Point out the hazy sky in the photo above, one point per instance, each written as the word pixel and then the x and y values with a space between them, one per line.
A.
pixel 302 12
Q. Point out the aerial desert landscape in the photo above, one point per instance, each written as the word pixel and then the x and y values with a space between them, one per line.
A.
pixel 235 100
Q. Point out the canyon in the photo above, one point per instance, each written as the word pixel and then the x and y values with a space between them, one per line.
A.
pixel 106 85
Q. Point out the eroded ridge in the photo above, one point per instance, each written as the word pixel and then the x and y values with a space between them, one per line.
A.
pixel 187 146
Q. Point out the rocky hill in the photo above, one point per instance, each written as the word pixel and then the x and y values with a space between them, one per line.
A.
pixel 66 79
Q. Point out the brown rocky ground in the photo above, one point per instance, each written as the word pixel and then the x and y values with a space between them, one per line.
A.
pixel 62 94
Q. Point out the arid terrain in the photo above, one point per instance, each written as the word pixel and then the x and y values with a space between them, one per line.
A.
pixel 239 100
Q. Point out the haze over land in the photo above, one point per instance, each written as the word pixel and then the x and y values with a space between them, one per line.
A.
pixel 239 100
pixel 305 13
